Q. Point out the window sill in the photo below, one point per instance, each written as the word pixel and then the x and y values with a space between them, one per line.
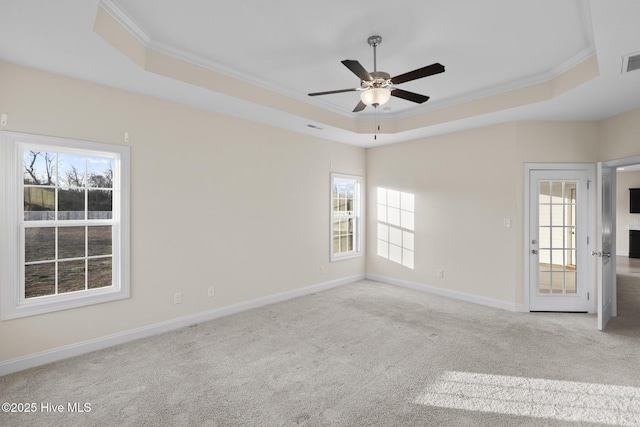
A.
pixel 349 255
pixel 43 305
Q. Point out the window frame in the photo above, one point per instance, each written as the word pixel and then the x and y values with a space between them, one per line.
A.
pixel 357 217
pixel 13 303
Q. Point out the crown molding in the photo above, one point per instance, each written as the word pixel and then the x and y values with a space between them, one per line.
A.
pixel 493 90
pixel 147 40
pixel 232 72
pixel 126 21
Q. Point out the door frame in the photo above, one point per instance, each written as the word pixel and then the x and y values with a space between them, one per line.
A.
pixel 590 168
pixel 606 255
pixel 616 163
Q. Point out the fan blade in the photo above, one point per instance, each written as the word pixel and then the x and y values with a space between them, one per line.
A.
pixel 333 91
pixel 357 69
pixel 409 96
pixel 429 70
pixel 361 106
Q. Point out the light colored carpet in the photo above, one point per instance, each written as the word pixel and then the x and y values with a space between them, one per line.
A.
pixel 364 354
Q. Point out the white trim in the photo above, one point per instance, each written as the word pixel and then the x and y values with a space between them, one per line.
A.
pixel 9 239
pixel 476 299
pixel 126 21
pixel 358 217
pixel 60 353
pixel 147 40
pixel 12 303
pixel 591 226
pixel 485 92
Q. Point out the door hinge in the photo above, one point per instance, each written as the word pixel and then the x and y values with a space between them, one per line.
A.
pixel 587 240
pixel 587 296
pixel 588 183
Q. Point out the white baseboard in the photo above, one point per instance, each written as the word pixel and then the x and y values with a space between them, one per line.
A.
pixel 53 355
pixel 490 302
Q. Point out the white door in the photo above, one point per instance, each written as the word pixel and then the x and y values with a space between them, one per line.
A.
pixel 606 244
pixel 559 277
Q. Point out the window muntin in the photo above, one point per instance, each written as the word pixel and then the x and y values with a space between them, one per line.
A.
pixel 345 216
pixel 60 250
pixel 66 235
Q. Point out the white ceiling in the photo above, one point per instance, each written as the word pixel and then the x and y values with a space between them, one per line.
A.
pixel 293 47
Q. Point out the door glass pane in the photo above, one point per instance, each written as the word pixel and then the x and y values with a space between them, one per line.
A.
pixel 557 215
pixel 544 282
pixel 557 283
pixel 556 235
pixel 570 282
pixel 544 214
pixel 570 192
pixel 544 193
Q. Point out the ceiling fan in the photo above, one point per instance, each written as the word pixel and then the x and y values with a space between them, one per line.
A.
pixel 377 87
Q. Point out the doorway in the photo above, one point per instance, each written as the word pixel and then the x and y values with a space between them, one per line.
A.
pixel 627 265
pixel 613 291
pixel 559 225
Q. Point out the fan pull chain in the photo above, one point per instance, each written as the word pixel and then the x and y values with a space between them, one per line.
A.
pixel 377 125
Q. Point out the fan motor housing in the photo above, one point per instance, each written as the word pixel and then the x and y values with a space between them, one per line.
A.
pixel 374 40
pixel 380 79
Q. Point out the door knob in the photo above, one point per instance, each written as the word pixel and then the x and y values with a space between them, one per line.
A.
pixel 607 254
pixel 534 251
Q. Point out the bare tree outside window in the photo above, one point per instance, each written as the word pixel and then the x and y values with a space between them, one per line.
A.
pixel 70 209
pixel 39 168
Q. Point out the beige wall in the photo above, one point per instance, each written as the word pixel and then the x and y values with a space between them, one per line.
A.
pixel 625 181
pixel 619 136
pixel 215 200
pixel 465 185
pixel 249 209
pixel 619 140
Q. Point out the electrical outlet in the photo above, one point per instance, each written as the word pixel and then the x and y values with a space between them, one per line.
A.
pixel 440 273
pixel 211 291
pixel 177 298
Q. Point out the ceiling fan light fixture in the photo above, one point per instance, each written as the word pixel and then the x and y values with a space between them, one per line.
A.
pixel 377 87
pixel 375 96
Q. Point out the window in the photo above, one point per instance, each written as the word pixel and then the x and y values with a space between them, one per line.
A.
pixel 345 216
pixel 395 226
pixel 65 225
